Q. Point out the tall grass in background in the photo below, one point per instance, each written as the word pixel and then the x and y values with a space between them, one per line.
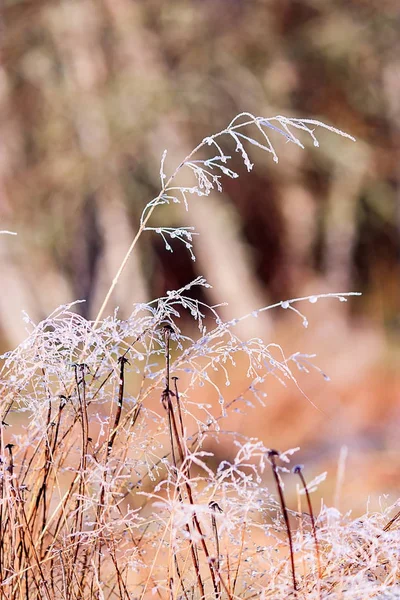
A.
pixel 104 496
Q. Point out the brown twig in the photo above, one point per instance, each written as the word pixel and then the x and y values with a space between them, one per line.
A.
pixel 392 521
pixel 298 471
pixel 272 456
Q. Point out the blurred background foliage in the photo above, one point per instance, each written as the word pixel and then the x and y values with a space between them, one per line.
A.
pixel 92 91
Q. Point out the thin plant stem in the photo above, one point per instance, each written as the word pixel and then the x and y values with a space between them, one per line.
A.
pixel 272 456
pixel 392 521
pixel 214 507
pixel 298 471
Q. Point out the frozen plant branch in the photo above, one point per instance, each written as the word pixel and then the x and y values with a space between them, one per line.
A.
pixel 245 129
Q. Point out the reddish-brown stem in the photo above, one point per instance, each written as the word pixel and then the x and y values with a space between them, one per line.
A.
pixel 298 471
pixel 214 506
pixel 272 456
pixel 390 523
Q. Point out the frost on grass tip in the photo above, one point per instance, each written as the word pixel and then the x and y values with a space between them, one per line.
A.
pixel 245 130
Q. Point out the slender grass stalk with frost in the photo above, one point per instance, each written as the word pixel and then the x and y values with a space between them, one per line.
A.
pixel 208 172
pixel 104 495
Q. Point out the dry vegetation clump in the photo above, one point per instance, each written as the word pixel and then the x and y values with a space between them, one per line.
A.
pixel 104 497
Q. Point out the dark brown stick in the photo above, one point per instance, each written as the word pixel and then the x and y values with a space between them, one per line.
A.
pixel 272 456
pixel 298 471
